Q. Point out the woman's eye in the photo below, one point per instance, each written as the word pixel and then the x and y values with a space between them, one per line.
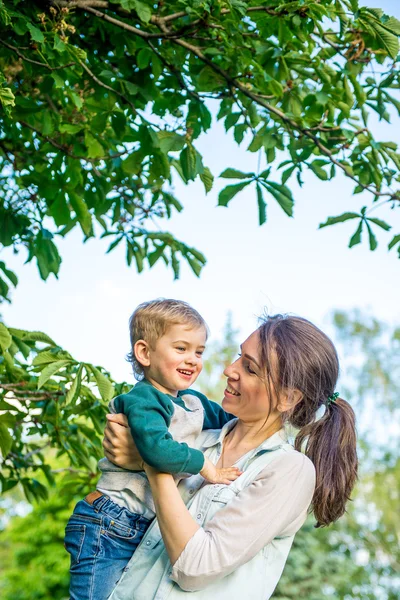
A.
pixel 250 370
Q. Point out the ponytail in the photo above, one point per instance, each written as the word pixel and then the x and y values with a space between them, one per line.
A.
pixel 306 360
pixel 330 443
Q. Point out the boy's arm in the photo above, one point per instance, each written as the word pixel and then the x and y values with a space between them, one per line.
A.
pixel 149 414
pixel 214 415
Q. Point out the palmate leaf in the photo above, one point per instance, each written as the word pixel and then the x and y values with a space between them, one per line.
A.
pixel 235 174
pixel 104 385
pixel 372 239
pixel 5 337
pixel 282 195
pixel 386 32
pixel 395 240
pixel 380 223
pixel 226 195
pixel 5 440
pixel 207 178
pixel 51 370
pixel 37 336
pixel 356 237
pixel 340 219
pixel 73 392
pixel 262 205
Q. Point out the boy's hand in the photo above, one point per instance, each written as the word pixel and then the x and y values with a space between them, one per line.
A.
pixel 214 475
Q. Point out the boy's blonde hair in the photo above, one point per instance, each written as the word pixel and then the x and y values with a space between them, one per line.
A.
pixel 150 321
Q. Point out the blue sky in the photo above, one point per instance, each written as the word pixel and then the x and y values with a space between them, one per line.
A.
pixel 286 265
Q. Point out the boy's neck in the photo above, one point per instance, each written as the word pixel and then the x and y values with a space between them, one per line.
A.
pixel 161 388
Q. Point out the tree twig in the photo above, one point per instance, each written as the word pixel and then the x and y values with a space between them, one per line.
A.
pixel 35 62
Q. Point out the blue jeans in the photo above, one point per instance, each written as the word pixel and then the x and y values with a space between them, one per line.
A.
pixel 101 539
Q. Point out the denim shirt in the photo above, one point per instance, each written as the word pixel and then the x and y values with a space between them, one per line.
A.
pixel 251 561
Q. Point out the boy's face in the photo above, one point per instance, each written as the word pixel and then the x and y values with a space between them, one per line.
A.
pixel 176 361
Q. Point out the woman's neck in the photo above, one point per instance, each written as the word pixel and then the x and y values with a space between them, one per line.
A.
pixel 248 435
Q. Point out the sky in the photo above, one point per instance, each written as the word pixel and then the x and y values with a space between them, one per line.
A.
pixel 286 265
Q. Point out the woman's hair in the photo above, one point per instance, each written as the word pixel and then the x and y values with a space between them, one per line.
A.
pixel 150 321
pixel 296 355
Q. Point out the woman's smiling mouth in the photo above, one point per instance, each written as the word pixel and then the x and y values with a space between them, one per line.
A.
pixel 231 391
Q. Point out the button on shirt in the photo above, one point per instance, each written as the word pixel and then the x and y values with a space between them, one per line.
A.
pixel 246 530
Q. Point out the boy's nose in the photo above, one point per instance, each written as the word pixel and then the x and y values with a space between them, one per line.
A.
pixel 192 359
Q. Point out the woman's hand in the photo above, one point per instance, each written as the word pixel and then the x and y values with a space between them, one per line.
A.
pixel 118 444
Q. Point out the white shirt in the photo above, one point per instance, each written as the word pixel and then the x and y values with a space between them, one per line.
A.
pixel 247 529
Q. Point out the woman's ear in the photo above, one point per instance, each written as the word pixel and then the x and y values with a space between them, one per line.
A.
pixel 289 399
pixel 142 353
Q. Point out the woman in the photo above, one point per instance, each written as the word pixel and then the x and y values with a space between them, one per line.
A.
pixel 232 541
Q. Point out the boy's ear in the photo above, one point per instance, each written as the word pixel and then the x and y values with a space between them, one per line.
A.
pixel 289 399
pixel 142 353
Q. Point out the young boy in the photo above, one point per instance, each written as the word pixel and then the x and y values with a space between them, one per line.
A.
pixel 168 338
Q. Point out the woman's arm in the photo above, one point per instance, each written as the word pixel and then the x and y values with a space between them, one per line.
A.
pixel 177 525
pixel 275 504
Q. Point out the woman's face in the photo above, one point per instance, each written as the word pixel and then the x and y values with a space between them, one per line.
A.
pixel 246 395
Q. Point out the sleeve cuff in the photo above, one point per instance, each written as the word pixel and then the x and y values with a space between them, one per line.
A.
pixel 195 463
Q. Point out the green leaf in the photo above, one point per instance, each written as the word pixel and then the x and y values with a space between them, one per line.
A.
pixel 318 170
pixel 344 217
pixel 143 11
pixel 74 390
pixel 287 173
pixel 282 195
pixel 10 274
pixel 5 440
pixel 50 370
pixel 36 34
pixel 68 128
pixel 95 149
pixel 372 239
pixel 226 195
pixel 153 257
pixel 104 385
pixel 262 206
pixel 82 212
pixel 231 120
pixel 356 238
pixel 394 241
pixel 44 358
pixel 235 174
pixel 143 58
pixel 5 337
pixel 37 336
pixel 380 223
pixel 194 265
pixel 58 81
pixel 188 162
pixel 207 178
pixel 239 132
pixel 7 99
pixel 385 31
pixel 133 163
pixel 170 141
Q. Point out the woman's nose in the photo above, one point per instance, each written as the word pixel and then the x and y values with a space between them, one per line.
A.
pixel 231 371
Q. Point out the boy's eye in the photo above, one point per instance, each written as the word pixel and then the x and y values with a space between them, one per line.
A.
pixel 199 352
pixel 181 348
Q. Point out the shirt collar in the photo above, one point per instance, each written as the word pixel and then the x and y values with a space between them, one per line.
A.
pixel 275 441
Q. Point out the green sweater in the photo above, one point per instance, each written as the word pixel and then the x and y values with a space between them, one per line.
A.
pixel 149 414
